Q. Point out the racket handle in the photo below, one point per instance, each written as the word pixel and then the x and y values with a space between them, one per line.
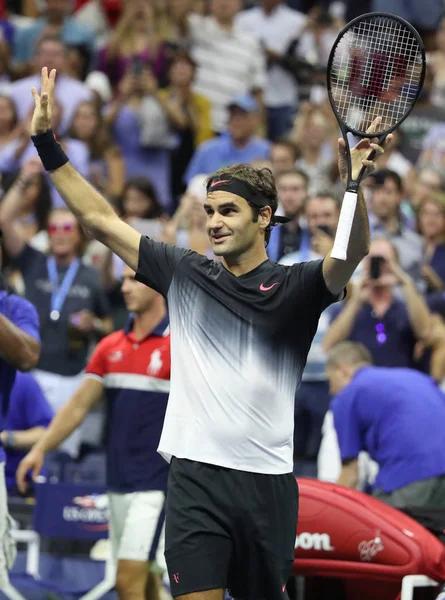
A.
pixel 343 233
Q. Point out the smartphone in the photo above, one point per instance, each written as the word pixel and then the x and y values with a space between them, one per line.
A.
pixel 375 267
pixel 325 229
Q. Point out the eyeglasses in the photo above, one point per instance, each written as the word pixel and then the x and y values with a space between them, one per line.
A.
pixel 67 227
pixel 380 335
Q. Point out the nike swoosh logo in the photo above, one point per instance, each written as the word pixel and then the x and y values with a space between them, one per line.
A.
pixel 266 289
pixel 219 181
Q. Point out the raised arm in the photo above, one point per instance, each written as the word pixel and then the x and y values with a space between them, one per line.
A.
pixel 337 273
pixel 92 210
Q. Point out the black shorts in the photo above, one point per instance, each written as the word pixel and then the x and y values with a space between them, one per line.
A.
pixel 229 529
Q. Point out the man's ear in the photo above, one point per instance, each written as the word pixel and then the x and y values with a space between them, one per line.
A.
pixel 265 217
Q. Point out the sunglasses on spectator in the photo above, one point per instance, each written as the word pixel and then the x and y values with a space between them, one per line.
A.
pixel 67 227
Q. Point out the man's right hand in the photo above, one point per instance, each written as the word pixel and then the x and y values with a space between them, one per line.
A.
pixel 43 103
pixel 33 461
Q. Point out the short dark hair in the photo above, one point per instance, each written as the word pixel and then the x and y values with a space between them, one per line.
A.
pixel 181 55
pixel 287 143
pixel 382 175
pixel 145 186
pixel 260 181
pixel 349 353
pixel 293 171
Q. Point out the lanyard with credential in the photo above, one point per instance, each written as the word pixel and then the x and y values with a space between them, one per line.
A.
pixel 59 293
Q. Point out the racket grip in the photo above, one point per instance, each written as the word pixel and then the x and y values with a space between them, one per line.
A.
pixel 343 233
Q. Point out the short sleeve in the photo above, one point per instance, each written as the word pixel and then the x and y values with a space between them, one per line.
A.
pixel 157 263
pixel 346 421
pixel 24 315
pixel 97 365
pixel 311 281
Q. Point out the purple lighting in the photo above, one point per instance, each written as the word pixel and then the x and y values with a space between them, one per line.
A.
pixel 381 338
pixel 380 327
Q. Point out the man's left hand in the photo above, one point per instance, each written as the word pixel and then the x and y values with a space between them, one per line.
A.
pixel 322 243
pixel 360 153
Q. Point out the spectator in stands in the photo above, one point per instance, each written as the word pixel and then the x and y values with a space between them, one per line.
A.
pixel 15 154
pixel 431 225
pixel 56 22
pixel 189 114
pixel 422 119
pixel 239 145
pixel 396 416
pixel 72 306
pixel 28 203
pixel 395 161
pixel 316 146
pixel 388 219
pixel 10 129
pixel 134 43
pixel 136 397
pixel 78 61
pixel 50 52
pixel 141 130
pixel 312 397
pixel 188 226
pixel 389 327
pixel 28 415
pixel 429 180
pixel 292 188
pixel 107 167
pixel 283 154
pixel 6 67
pixel 242 70
pixel 276 25
pixel 436 61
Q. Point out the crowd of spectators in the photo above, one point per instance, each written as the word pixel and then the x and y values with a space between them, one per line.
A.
pixel 154 95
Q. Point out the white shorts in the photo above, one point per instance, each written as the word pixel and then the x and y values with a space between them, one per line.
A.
pixel 137 528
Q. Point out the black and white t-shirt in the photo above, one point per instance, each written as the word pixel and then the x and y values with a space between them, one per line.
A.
pixel 238 350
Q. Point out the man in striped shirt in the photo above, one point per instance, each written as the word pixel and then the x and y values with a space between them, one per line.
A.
pixel 132 367
pixel 230 61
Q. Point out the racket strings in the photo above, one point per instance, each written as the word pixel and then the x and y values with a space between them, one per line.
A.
pixel 376 70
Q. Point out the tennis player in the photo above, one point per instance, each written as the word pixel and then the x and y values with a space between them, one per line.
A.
pixel 132 367
pixel 240 334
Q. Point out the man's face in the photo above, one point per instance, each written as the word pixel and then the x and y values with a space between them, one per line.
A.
pixel 386 200
pixel 242 124
pixel 230 224
pixel 51 54
pixel 225 10
pixel 321 211
pixel 138 297
pixel 292 192
pixel 64 232
pixel 282 157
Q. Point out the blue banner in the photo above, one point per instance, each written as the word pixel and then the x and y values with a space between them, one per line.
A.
pixel 71 511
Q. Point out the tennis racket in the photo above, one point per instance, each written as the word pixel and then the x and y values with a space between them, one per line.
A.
pixel 376 69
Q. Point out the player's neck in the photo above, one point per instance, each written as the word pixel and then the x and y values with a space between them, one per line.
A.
pixel 64 260
pixel 145 322
pixel 246 262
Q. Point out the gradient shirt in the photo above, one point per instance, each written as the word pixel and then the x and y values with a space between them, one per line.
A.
pixel 239 347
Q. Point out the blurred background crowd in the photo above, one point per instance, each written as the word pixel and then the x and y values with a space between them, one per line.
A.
pixel 154 95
